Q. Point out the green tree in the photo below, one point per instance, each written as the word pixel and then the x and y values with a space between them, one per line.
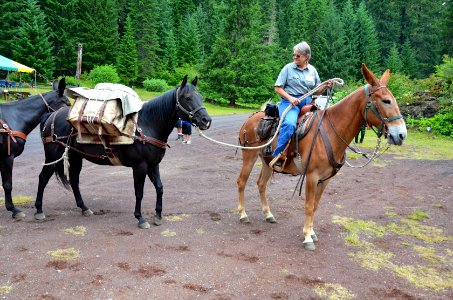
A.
pixel 208 16
pixel 240 68
pixel 127 56
pixel 393 61
pixel 190 42
pixel 408 59
pixel 351 55
pixel 145 18
pixel 97 30
pixel 61 20
pixel 13 15
pixel 331 51
pixel 31 45
pixel 168 52
pixel 367 40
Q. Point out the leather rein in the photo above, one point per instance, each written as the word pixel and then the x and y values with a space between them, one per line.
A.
pixel 12 134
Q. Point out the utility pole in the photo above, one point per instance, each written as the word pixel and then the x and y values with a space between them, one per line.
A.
pixel 79 60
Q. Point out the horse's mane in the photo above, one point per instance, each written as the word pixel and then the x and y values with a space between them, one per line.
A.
pixel 158 108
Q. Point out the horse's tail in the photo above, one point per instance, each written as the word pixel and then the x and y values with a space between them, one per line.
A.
pixel 61 176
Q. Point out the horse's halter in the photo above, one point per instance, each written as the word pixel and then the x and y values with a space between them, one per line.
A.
pixel 190 114
pixel 49 108
pixel 371 104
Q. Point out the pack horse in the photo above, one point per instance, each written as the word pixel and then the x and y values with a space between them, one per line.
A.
pixel 373 104
pixel 155 121
pixel 17 120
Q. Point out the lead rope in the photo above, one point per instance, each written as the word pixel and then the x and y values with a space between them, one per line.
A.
pixel 334 80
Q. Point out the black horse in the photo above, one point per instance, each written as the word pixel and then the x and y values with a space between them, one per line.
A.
pixel 156 120
pixel 17 120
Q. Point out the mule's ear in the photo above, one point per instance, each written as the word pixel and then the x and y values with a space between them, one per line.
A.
pixel 195 81
pixel 61 86
pixel 184 81
pixel 385 77
pixel 369 76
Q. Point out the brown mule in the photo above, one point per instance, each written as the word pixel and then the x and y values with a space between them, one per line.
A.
pixel 373 103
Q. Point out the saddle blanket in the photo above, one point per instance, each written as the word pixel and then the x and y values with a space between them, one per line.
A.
pixel 108 110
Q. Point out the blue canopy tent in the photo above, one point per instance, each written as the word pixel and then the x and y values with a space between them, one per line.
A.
pixel 11 65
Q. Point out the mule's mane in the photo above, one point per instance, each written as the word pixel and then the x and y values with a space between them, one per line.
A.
pixel 159 108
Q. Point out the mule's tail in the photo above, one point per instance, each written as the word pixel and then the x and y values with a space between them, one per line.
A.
pixel 60 174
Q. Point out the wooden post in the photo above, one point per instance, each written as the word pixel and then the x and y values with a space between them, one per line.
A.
pixel 79 60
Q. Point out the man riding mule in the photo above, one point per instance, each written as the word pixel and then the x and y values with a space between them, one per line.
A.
pixel 143 150
pixel 326 141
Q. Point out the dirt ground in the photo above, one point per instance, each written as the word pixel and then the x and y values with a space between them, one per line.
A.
pixel 385 232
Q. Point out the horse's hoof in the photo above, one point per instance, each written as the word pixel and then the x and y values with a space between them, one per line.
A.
pixel 144 225
pixel 271 220
pixel 314 237
pixel 88 212
pixel 18 215
pixel 309 246
pixel 157 221
pixel 40 216
pixel 244 220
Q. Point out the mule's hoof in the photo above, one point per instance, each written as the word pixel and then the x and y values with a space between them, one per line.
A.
pixel 271 220
pixel 314 237
pixel 309 246
pixel 40 216
pixel 244 220
pixel 144 225
pixel 18 215
pixel 87 213
pixel 157 221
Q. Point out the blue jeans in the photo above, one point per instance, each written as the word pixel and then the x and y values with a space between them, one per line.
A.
pixel 289 123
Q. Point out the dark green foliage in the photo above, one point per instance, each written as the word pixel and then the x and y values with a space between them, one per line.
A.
pixel 367 40
pixel 330 49
pixel 13 14
pixel 127 56
pixel 240 66
pixel 145 25
pixel 105 73
pixel 408 59
pixel 97 30
pixel 62 22
pixel 31 45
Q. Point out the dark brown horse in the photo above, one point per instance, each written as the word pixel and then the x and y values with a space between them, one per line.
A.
pixel 17 120
pixel 374 104
pixel 156 120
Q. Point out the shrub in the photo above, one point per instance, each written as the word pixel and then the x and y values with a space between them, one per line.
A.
pixel 402 88
pixel 155 85
pixel 105 73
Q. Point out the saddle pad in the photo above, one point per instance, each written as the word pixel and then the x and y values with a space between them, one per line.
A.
pixel 305 124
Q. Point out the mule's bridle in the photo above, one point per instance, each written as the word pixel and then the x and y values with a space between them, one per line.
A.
pixel 372 105
pixel 190 114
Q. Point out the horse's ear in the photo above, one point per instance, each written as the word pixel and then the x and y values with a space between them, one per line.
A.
pixel 369 76
pixel 61 86
pixel 184 81
pixel 385 77
pixel 195 81
pixel 55 85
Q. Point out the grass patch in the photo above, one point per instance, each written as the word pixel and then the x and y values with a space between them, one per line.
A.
pixel 425 277
pixel 333 291
pixel 77 230
pixel 18 200
pixel 176 218
pixel 6 289
pixel 436 275
pixel 168 233
pixel 419 145
pixel 65 254
pixel 418 215
pixel 372 259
